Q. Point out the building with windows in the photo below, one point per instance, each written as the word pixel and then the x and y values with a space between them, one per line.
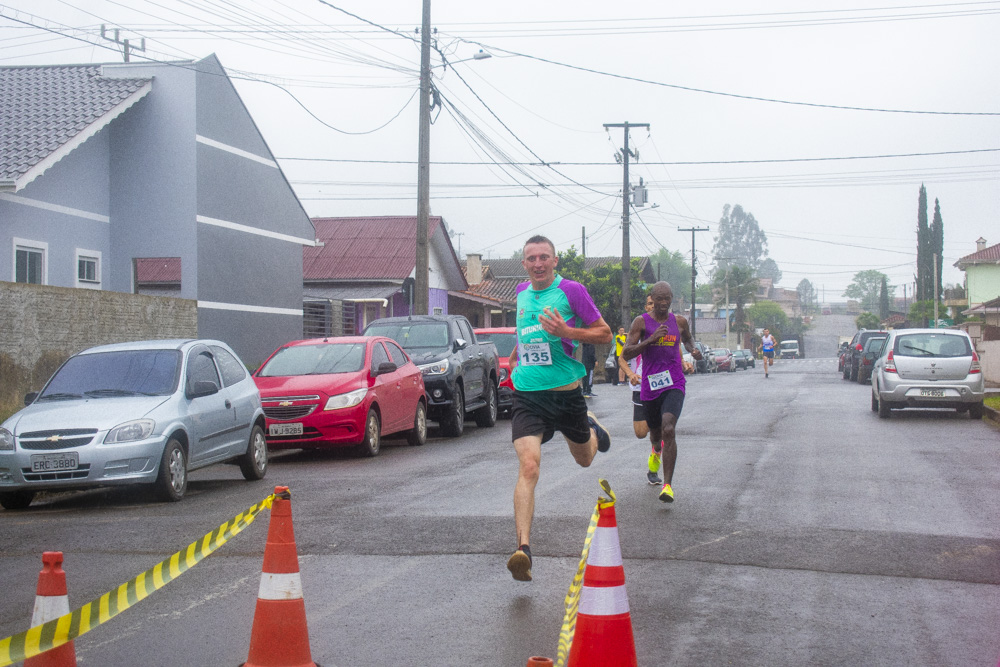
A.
pixel 152 178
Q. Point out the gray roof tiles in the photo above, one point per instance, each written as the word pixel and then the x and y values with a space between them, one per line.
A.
pixel 44 108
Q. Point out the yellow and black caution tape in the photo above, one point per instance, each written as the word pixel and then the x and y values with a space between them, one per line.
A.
pixel 573 596
pixel 66 628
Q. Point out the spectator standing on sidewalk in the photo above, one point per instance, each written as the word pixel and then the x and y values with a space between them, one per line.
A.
pixel 589 359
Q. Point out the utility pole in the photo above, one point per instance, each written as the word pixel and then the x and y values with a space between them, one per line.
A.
pixel 127 48
pixel 626 252
pixel 935 295
pixel 694 271
pixel 583 241
pixel 422 275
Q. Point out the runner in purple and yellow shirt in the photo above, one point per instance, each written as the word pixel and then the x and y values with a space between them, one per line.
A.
pixel 658 337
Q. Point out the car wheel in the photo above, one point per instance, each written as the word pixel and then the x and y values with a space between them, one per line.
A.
pixel 16 500
pixel 454 423
pixel 373 435
pixel 853 374
pixel 171 482
pixel 883 409
pixel 487 417
pixel 975 411
pixel 418 434
pixel 253 463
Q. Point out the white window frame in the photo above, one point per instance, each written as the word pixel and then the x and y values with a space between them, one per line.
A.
pixel 27 244
pixel 438 310
pixel 83 253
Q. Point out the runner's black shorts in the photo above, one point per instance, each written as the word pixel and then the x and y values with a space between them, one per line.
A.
pixel 638 409
pixel 769 354
pixel 545 412
pixel 671 401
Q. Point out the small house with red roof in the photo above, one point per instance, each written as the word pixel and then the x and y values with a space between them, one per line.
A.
pixel 982 273
pixel 356 272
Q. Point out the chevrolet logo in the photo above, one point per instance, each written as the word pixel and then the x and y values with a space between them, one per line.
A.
pixel 285 404
pixel 54 438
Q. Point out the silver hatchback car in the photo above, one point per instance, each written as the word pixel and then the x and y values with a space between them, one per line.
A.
pixel 927 368
pixel 134 413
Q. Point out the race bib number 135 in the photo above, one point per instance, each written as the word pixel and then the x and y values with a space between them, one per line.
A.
pixel 535 354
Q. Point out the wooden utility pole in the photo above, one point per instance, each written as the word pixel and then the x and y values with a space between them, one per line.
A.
pixel 694 271
pixel 421 297
pixel 626 251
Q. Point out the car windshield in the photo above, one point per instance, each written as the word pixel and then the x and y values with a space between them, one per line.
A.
pixel 505 342
pixel 413 335
pixel 932 345
pixel 319 359
pixel 108 374
pixel 874 344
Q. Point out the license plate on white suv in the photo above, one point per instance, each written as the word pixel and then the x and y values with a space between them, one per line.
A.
pixel 932 392
pixel 55 462
pixel 285 429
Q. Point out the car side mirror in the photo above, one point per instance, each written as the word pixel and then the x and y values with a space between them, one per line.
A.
pixel 29 398
pixel 461 344
pixel 385 367
pixel 203 388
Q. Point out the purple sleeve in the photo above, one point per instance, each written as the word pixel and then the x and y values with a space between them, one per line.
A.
pixel 520 288
pixel 580 301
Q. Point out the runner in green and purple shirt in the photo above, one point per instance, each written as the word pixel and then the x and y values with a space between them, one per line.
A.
pixel 553 315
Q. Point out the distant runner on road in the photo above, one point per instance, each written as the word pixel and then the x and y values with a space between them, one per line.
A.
pixel 767 350
pixel 547 393
pixel 657 337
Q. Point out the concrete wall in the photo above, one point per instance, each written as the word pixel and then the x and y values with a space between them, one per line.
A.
pixel 982 283
pixel 42 326
pixel 989 359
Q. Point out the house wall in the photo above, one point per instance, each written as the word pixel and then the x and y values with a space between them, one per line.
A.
pixel 982 283
pixel 437 298
pixel 152 163
pixel 989 359
pixel 78 186
pixel 42 326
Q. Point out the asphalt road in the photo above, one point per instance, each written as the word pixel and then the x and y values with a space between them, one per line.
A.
pixel 805 531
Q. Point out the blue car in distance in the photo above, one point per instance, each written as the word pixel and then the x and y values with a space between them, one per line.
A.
pixel 134 413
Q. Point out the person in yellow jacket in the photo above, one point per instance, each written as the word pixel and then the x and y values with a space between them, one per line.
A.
pixel 619 344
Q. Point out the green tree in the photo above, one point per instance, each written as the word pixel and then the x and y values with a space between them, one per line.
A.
pixel 922 312
pixel 571 265
pixel 769 315
pixel 867 320
pixel 740 241
pixel 605 285
pixel 883 299
pixel 671 267
pixel 742 285
pixel 923 247
pixel 807 296
pixel 937 249
pixel 865 288
pixel 769 269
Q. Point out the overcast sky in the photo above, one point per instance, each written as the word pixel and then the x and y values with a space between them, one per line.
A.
pixel 782 107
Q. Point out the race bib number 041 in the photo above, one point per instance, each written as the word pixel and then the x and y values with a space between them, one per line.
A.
pixel 535 354
pixel 659 381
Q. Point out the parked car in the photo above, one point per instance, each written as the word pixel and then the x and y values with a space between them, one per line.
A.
pixel 789 349
pixel 341 392
pixel 723 360
pixel 505 339
pixel 868 356
pixel 461 373
pixel 928 368
pixel 134 413
pixel 854 349
pixel 707 362
pixel 744 359
pixel 842 355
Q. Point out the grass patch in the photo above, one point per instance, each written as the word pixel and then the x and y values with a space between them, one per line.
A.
pixel 992 402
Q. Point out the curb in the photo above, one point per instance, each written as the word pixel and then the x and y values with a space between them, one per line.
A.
pixel 991 415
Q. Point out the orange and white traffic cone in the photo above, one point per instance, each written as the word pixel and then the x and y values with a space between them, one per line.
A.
pixel 603 634
pixel 280 637
pixel 52 602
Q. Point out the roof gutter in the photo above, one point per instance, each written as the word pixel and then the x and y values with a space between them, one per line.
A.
pixel 8 186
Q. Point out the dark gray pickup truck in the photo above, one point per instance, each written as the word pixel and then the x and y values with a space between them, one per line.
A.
pixel 460 372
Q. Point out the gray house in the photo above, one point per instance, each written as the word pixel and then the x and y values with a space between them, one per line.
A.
pixel 103 167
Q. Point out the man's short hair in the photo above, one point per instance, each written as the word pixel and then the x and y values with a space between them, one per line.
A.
pixel 538 238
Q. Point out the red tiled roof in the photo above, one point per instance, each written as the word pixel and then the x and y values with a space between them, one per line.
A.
pixel 989 255
pixel 501 289
pixel 158 269
pixel 366 248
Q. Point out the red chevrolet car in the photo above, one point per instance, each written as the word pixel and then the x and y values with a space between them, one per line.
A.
pixel 505 338
pixel 336 392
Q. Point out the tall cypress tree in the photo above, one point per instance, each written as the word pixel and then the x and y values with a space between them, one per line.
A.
pixel 883 300
pixel 937 246
pixel 923 247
